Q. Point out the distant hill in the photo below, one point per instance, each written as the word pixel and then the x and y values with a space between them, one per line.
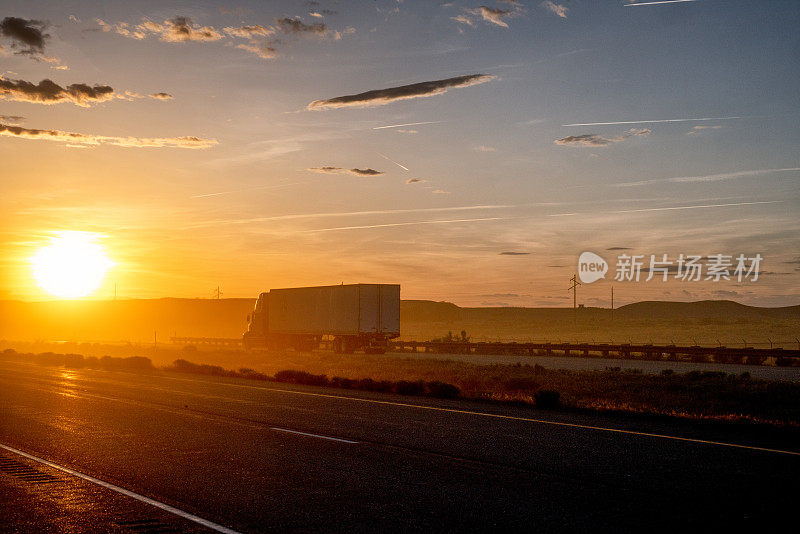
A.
pixel 138 320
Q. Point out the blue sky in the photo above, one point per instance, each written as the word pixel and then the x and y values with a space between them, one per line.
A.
pixel 495 169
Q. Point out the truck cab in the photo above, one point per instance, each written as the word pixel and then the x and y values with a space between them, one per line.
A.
pixel 258 321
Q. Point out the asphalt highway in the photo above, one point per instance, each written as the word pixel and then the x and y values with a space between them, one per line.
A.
pixel 259 456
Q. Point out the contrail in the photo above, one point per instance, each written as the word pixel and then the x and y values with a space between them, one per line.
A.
pixel 403 224
pixel 352 214
pixel 673 208
pixel 393 161
pixel 652 121
pixel 705 178
pixel 241 190
pixel 661 2
pixel 406 124
pixel 701 206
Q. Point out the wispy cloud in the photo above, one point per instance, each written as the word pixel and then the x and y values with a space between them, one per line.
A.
pixel 260 40
pixel 412 223
pixel 380 97
pixel 512 253
pixel 340 170
pixel 706 177
pixel 484 148
pixel 594 140
pixel 492 15
pixel 652 121
pixel 80 139
pixel 557 9
pixel 415 181
pixel 12 119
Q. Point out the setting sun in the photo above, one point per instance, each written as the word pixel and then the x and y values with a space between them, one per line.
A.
pixel 72 265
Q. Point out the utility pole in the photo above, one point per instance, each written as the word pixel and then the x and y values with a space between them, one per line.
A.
pixel 217 293
pixel 574 289
pixel 612 304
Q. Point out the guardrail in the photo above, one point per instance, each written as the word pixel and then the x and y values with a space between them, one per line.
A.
pixel 603 350
pixel 627 351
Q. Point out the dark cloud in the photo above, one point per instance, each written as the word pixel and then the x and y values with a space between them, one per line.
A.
pixel 13 119
pixel 594 140
pixel 512 253
pixel 341 170
pixel 29 33
pixel 83 140
pixel 379 97
pixel 49 92
pixel 415 181
pixel 287 25
pixel 162 96
pixel 619 248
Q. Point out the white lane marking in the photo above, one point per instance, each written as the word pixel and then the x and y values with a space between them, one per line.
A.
pixel 279 429
pixel 123 491
pixel 500 416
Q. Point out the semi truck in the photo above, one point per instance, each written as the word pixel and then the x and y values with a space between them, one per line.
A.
pixel 351 317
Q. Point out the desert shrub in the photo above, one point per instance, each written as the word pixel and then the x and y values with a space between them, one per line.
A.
pixel 547 399
pixel 344 383
pixel 667 372
pixel 442 390
pixel 368 384
pixel 301 377
pixel 521 383
pixel 783 361
pixel 404 387
pixel 252 374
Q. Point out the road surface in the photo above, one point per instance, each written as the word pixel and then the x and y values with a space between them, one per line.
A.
pixel 171 452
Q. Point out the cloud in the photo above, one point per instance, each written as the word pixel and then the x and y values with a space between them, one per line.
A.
pixel 264 50
pixel 707 177
pixel 94 140
pixel 619 248
pixel 289 25
pixel 483 148
pixel 182 29
pixel 558 9
pixel 415 181
pixel 406 131
pixel 12 119
pixel 260 39
pixel 341 170
pixel 379 97
pixel 463 19
pixel 249 32
pixel 440 192
pixel 28 33
pixel 493 15
pixel 697 129
pixel 512 253
pixel 161 96
pixel 594 140
pixel 49 92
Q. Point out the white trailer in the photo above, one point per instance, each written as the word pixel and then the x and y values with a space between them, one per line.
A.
pixel 355 316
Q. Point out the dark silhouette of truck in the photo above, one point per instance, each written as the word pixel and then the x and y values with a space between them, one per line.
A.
pixel 352 317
